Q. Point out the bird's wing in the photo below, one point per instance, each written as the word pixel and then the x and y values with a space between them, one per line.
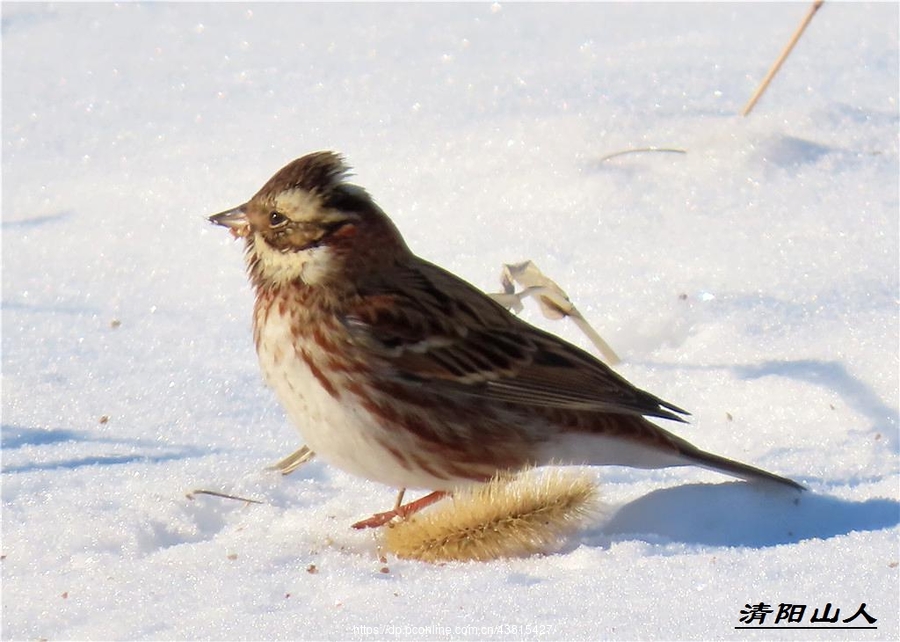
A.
pixel 427 325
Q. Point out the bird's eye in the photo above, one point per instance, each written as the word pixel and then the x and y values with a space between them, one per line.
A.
pixel 277 220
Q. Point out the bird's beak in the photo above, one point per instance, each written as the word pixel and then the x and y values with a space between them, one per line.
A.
pixel 234 218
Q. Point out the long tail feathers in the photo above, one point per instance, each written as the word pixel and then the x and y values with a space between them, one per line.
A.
pixel 735 468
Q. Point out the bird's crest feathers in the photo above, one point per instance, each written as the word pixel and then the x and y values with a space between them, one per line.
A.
pixel 318 173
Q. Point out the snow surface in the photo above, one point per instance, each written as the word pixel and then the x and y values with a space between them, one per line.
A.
pixel 481 129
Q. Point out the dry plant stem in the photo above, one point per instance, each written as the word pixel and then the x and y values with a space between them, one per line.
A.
pixel 784 54
pixel 637 150
pixel 222 495
pixel 380 519
pixel 602 346
pixel 293 461
pixel 554 302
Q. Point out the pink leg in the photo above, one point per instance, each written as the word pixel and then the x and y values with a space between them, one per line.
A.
pixel 380 519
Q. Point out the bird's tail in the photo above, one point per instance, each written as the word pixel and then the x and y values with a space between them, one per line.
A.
pixel 730 467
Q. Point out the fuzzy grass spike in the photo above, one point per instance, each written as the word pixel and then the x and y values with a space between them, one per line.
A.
pixel 509 516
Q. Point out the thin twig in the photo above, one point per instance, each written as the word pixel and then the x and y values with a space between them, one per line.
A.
pixel 551 298
pixel 671 150
pixel 214 493
pixel 784 54
pixel 293 461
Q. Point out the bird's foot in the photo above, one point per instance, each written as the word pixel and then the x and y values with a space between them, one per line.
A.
pixel 400 512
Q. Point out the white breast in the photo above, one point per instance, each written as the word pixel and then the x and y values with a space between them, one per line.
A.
pixel 335 427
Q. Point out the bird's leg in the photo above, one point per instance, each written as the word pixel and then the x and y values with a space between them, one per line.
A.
pixel 402 512
pixel 293 461
pixel 554 302
pixel 423 502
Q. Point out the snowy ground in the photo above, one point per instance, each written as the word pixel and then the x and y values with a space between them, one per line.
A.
pixel 481 129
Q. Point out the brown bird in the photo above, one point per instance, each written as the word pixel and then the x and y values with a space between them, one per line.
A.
pixel 398 371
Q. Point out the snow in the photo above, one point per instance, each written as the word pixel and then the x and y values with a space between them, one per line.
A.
pixel 480 128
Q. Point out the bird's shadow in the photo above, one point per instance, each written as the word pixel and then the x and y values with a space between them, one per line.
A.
pixel 740 514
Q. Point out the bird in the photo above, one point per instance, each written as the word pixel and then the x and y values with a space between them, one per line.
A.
pixel 398 371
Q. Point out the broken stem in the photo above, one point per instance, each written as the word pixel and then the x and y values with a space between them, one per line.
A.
pixel 784 54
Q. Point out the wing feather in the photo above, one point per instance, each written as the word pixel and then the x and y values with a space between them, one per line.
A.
pixel 430 326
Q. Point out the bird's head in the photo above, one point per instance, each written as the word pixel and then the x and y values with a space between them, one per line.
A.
pixel 308 224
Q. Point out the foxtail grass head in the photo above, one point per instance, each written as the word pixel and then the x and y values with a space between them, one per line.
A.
pixel 509 516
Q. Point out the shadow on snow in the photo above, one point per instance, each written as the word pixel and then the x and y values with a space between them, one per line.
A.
pixel 15 437
pixel 741 514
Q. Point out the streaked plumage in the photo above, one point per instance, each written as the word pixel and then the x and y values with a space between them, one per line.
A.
pixel 398 371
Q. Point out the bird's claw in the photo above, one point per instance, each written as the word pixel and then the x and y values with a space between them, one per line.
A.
pixel 401 512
